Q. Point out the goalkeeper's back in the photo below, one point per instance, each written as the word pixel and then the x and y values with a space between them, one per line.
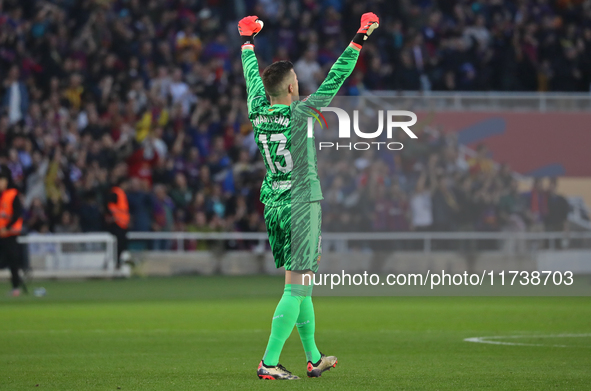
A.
pixel 280 127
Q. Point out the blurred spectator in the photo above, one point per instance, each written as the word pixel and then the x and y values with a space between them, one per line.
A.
pixel 408 76
pixel 421 205
pixel 308 71
pixel 67 224
pixel 536 201
pixel 512 209
pixel 445 207
pixel 140 206
pixel 558 209
pixel 90 214
pixel 162 211
pixel 399 210
pixel 16 96
pixel 181 194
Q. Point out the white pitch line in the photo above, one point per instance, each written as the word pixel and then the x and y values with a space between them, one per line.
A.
pixel 488 339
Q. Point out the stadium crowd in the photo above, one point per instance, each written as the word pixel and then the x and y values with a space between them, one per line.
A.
pixel 433 186
pixel 97 90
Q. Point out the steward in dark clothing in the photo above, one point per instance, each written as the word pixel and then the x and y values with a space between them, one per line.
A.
pixel 117 216
pixel 11 226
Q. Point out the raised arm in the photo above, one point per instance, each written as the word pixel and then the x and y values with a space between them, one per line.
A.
pixel 339 72
pixel 249 27
pixel 345 64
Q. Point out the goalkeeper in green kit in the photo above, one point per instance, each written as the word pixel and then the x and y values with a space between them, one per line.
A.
pixel 291 189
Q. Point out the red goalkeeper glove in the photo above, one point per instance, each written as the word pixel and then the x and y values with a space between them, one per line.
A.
pixel 369 22
pixel 249 27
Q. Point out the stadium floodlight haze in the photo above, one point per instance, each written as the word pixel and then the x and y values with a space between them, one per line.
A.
pixel 184 184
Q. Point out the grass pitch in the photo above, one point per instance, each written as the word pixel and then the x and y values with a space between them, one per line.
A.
pixel 209 333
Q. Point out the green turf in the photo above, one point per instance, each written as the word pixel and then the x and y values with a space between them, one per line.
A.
pixel 200 333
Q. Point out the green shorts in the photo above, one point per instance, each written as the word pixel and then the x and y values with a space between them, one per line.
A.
pixel 294 235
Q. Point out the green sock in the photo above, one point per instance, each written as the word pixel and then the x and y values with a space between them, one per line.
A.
pixel 284 319
pixel 306 326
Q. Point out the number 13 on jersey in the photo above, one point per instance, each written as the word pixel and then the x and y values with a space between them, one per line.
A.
pixel 281 151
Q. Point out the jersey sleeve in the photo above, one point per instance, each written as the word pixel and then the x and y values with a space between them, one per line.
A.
pixel 255 90
pixel 337 75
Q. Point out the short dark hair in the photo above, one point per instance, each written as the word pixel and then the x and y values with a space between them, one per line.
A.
pixel 274 75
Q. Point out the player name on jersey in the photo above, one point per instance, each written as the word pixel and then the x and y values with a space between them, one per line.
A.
pixel 280 120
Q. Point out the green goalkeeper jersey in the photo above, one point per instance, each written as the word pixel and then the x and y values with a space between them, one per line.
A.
pixel 280 132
